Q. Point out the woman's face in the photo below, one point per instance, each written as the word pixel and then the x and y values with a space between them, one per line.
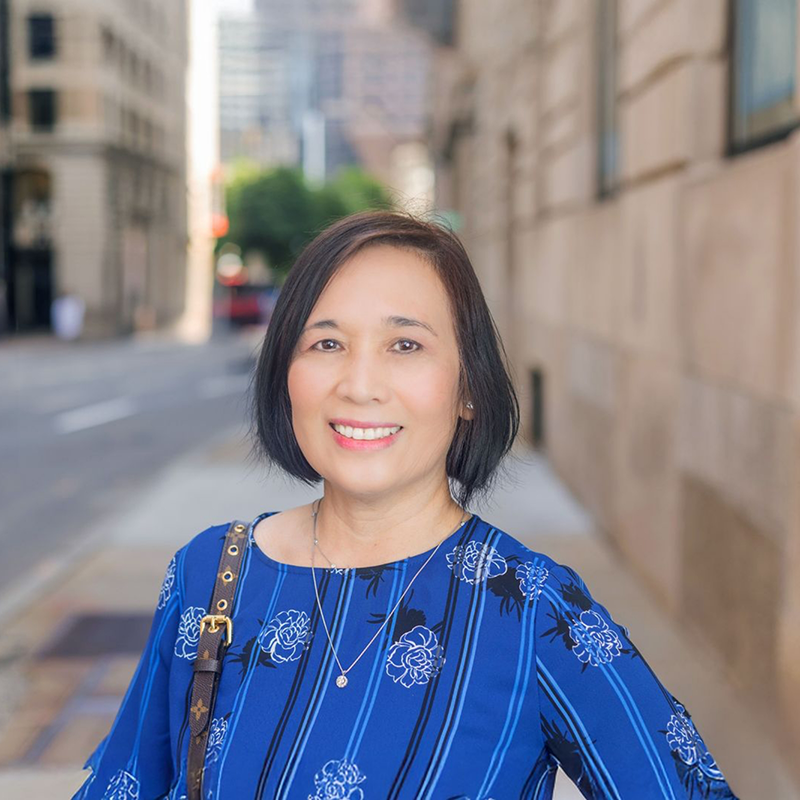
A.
pixel 363 367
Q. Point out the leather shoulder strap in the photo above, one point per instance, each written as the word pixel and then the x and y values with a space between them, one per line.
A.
pixel 216 634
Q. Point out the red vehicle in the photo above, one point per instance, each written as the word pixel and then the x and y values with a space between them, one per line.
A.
pixel 244 304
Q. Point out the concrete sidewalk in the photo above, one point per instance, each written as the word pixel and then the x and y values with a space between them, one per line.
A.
pixel 55 708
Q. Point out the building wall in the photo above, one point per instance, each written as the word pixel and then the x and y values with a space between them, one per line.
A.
pixel 263 74
pixel 664 317
pixel 351 63
pixel 116 156
pixel 204 176
pixel 5 159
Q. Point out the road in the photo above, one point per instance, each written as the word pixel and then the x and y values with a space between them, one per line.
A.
pixel 83 425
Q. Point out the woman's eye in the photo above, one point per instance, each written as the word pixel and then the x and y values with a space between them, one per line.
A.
pixel 322 341
pixel 416 345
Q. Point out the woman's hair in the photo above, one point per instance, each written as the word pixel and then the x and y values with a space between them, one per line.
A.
pixel 479 445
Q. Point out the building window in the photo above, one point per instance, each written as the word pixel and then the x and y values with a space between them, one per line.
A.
pixel 607 118
pixel 537 437
pixel 763 68
pixel 134 128
pixel 41 36
pixel 42 109
pixel 109 45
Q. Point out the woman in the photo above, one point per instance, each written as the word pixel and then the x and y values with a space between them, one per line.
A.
pixel 386 642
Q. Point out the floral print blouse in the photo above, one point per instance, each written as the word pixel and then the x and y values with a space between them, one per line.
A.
pixel 497 668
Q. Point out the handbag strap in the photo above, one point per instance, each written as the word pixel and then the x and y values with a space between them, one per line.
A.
pixel 216 633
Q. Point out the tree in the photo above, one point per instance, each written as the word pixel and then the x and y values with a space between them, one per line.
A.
pixel 277 212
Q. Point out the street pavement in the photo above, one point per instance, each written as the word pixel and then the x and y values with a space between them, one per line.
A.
pixel 83 425
pixel 55 708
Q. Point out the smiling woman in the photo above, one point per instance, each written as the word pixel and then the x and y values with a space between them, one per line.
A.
pixel 382 314
pixel 446 659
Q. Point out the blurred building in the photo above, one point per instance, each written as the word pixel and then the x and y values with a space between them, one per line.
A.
pixel 206 219
pixel 5 163
pixel 261 75
pixel 327 83
pixel 97 152
pixel 627 174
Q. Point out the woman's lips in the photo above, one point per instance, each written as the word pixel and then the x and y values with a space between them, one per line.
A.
pixel 364 444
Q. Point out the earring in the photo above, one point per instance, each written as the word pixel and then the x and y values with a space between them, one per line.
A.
pixel 469 405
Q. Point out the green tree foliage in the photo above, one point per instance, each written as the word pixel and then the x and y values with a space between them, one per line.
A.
pixel 277 212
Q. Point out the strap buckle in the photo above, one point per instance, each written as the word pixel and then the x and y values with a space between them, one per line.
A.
pixel 214 621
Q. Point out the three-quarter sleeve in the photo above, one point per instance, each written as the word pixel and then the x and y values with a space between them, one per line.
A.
pixel 605 717
pixel 134 759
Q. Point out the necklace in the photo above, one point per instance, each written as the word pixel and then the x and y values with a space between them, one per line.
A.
pixel 341 681
pixel 333 566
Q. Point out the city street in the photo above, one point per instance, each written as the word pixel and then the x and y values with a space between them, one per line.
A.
pixel 599 197
pixel 83 425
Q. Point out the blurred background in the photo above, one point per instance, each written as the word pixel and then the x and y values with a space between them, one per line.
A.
pixel 625 175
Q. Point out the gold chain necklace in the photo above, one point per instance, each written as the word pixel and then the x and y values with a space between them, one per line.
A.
pixel 341 681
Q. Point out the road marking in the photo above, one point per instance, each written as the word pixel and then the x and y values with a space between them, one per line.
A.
pixel 97 414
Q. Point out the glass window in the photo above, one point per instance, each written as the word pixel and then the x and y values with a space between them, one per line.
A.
pixel 42 109
pixel 607 118
pixel 41 36
pixel 763 70
pixel 108 44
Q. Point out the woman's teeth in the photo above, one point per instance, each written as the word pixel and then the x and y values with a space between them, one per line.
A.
pixel 365 433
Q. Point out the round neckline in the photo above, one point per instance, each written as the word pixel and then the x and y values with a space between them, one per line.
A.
pixel 283 567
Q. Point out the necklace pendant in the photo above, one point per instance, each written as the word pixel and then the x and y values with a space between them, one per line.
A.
pixel 341 681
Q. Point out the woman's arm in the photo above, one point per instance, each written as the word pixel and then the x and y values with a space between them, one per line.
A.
pixel 608 721
pixel 134 759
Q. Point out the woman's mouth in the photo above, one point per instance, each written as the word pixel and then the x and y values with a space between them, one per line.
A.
pixel 364 438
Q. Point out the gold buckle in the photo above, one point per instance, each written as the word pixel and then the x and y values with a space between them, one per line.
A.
pixel 214 621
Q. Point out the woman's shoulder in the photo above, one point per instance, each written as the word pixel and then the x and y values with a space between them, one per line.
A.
pixel 516 556
pixel 195 562
pixel 510 547
pixel 558 584
pixel 207 544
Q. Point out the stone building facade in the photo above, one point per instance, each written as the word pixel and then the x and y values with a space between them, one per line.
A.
pixel 627 173
pixel 97 142
pixel 5 159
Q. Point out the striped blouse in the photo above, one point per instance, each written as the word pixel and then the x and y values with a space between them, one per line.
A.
pixel 497 668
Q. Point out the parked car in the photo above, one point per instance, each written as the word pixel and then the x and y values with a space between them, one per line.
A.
pixel 244 304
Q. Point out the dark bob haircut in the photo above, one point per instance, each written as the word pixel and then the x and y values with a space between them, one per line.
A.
pixel 479 445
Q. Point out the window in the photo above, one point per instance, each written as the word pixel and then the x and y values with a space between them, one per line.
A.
pixel 41 36
pixel 109 45
pixel 607 120
pixel 134 68
pixel 133 122
pixel 42 109
pixel 537 408
pixel 762 72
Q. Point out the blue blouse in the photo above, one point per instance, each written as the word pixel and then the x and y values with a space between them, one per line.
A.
pixel 497 668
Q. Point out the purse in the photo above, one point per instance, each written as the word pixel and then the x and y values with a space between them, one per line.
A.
pixel 216 634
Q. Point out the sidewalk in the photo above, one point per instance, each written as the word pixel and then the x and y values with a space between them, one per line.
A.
pixel 59 692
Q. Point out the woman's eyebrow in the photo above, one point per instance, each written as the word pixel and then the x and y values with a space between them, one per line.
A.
pixel 393 321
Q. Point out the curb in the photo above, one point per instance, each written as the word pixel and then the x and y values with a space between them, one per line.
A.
pixel 47 575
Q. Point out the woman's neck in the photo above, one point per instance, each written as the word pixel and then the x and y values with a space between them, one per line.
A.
pixel 353 534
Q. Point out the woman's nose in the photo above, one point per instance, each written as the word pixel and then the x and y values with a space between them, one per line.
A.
pixel 363 376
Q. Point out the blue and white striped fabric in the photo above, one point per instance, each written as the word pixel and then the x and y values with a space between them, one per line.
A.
pixel 497 668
